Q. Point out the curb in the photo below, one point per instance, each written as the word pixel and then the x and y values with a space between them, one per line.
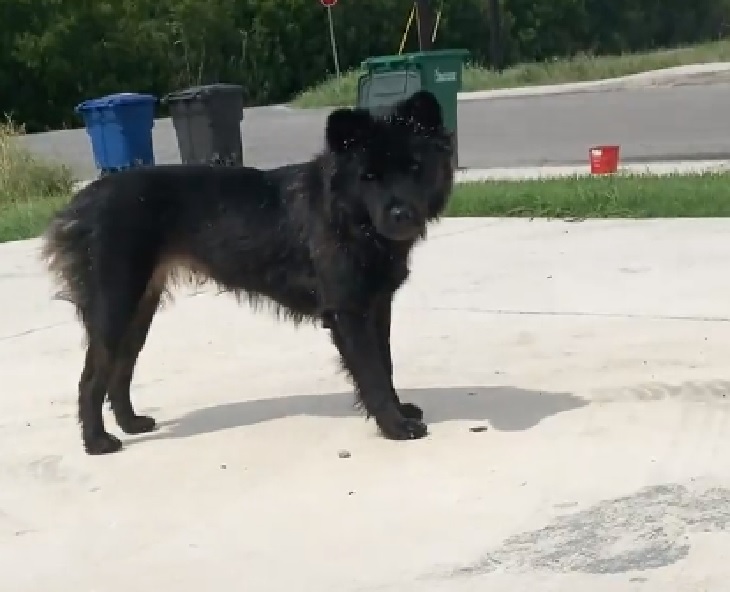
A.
pixel 470 175
pixel 640 79
pixel 659 168
pixel 79 185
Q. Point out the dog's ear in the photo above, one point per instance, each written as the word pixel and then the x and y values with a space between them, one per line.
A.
pixel 347 129
pixel 421 111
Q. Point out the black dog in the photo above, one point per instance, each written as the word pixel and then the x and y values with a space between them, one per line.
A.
pixel 325 240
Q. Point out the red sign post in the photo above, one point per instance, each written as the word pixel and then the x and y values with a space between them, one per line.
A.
pixel 328 4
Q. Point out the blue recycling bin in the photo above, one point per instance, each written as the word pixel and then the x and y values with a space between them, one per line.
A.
pixel 120 129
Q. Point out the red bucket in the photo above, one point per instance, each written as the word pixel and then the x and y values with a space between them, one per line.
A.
pixel 603 159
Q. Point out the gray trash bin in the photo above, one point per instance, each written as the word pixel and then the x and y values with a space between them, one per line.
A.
pixel 207 121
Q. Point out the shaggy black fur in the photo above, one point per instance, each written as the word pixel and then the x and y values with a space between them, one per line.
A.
pixel 325 240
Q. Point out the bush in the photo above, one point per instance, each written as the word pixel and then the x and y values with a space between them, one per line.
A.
pixel 276 48
pixel 30 189
pixel 22 174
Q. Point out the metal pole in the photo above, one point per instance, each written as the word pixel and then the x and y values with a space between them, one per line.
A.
pixel 424 20
pixel 332 39
pixel 495 35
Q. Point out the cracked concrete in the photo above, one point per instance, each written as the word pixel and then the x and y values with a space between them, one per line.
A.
pixel 595 354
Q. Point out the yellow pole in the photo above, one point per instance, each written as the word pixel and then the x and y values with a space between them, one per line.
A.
pixel 436 25
pixel 408 28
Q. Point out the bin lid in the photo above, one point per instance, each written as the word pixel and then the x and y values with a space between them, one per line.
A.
pixel 415 57
pixel 381 89
pixel 125 98
pixel 202 91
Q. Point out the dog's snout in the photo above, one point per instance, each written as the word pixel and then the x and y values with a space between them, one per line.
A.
pixel 401 214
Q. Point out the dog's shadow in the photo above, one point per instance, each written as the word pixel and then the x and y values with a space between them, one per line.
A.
pixel 504 408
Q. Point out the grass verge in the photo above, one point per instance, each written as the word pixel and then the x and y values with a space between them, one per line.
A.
pixel 343 91
pixel 30 189
pixel 621 196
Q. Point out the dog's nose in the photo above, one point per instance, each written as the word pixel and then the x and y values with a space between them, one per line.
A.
pixel 401 214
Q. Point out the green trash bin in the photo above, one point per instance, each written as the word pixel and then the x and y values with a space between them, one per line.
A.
pixel 389 79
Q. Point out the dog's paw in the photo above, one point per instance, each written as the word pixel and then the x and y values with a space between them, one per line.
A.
pixel 102 444
pixel 411 411
pixel 402 428
pixel 136 424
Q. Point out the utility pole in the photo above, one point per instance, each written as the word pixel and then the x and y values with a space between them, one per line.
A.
pixel 424 22
pixel 495 34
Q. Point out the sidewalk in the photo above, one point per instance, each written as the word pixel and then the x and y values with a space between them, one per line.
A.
pixel 543 172
pixel 575 380
pixel 641 79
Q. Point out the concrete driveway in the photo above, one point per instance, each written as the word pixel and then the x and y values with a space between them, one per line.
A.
pixel 650 123
pixel 595 354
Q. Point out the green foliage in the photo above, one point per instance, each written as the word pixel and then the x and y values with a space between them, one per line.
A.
pixel 23 175
pixel 342 91
pixel 30 189
pixel 56 53
pixel 696 195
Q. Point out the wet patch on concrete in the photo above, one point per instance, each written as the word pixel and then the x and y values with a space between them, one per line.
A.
pixel 643 531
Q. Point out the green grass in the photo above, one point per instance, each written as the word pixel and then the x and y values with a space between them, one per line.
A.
pixel 343 91
pixel 30 189
pixel 620 196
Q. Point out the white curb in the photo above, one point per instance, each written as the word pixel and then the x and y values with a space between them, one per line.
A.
pixel 641 79
pixel 558 171
pixel 546 172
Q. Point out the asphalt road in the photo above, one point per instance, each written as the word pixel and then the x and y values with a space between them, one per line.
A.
pixel 656 123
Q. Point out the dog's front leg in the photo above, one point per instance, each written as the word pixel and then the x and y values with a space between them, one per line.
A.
pixel 356 337
pixel 383 312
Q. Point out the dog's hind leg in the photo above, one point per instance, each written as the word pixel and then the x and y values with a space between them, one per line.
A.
pixel 115 303
pixel 356 338
pixel 121 377
pixel 383 311
pixel 92 390
pixel 88 372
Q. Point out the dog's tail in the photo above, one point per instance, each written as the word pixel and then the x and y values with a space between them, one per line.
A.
pixel 67 250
